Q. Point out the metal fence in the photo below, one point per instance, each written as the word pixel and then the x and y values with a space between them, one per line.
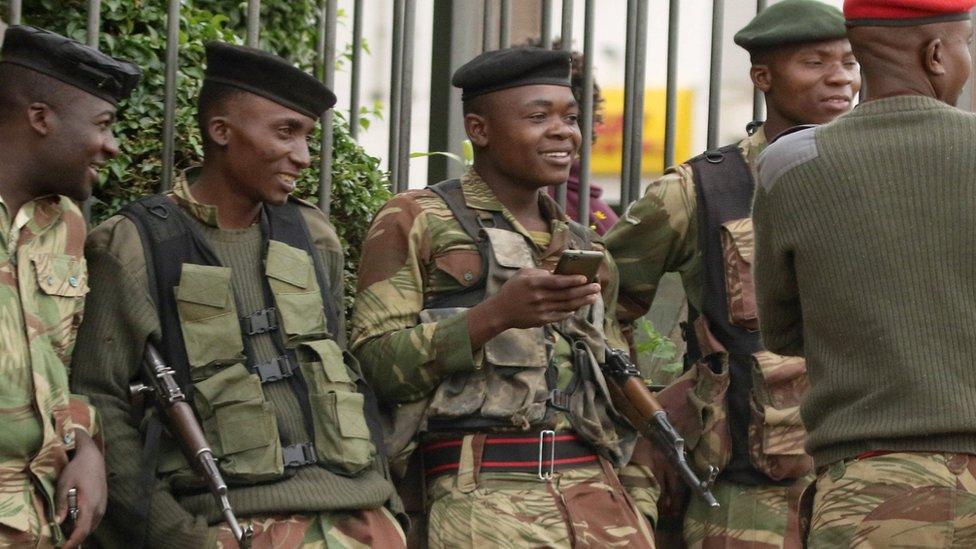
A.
pixel 497 14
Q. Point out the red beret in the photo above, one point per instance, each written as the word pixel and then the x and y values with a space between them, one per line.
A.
pixel 905 12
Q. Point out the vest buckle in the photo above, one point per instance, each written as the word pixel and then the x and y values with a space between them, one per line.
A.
pixel 260 321
pixel 275 369
pixel 559 400
pixel 299 455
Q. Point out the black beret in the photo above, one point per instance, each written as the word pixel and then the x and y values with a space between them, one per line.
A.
pixel 70 62
pixel 792 22
pixel 269 76
pixel 509 68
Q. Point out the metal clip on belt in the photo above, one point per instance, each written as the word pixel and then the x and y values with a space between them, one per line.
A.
pixel 261 321
pixel 299 455
pixel 547 473
pixel 275 369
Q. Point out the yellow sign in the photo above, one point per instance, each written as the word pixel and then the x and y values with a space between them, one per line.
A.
pixel 607 154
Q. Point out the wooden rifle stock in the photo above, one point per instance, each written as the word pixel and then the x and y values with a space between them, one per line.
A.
pixel 171 404
pixel 634 400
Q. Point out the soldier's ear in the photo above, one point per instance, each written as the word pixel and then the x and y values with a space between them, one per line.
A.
pixel 932 57
pixel 219 130
pixel 762 77
pixel 41 117
pixel 476 126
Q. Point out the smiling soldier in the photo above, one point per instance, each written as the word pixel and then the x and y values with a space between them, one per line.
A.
pixel 488 359
pixel 695 221
pixel 58 102
pixel 240 287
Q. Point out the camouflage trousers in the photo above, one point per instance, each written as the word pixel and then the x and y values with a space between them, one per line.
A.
pixel 757 517
pixel 581 507
pixel 38 533
pixel 895 500
pixel 333 530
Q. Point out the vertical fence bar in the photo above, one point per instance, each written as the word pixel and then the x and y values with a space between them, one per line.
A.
pixel 356 71
pixel 640 63
pixel 715 73
pixel 545 26
pixel 486 25
pixel 671 95
pixel 253 22
pixel 630 44
pixel 326 57
pixel 94 22
pixel 406 95
pixel 757 96
pixel 14 12
pixel 393 153
pixel 566 37
pixel 505 24
pixel 169 103
pixel 589 29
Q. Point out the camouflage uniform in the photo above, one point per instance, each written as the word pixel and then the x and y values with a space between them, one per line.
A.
pixel 895 500
pixel 353 529
pixel 415 249
pixel 43 281
pixel 659 234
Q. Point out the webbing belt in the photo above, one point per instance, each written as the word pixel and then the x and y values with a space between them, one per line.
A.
pixel 542 453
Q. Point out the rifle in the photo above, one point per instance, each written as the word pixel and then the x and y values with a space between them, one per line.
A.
pixel 636 402
pixel 171 404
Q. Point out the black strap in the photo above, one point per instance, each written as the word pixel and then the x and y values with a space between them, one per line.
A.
pixel 450 192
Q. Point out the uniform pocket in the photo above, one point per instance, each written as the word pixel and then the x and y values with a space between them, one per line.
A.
pixel 342 438
pixel 240 424
pixel 515 347
pixel 776 432
pixel 291 275
pixel 738 247
pixel 208 315
pixel 713 444
pixel 62 281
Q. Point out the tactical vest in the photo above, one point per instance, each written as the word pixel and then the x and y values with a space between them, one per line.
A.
pixel 205 339
pixel 515 386
pixel 762 403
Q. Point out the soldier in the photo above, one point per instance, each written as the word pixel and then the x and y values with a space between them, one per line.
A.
pixel 489 360
pixel 864 266
pixel 695 221
pixel 58 102
pixel 240 287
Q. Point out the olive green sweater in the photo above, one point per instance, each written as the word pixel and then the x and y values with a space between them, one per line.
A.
pixel 866 265
pixel 119 318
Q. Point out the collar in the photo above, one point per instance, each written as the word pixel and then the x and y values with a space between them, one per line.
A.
pixel 753 145
pixel 479 196
pixel 35 216
pixel 205 213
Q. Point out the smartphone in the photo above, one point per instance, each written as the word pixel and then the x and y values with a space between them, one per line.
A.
pixel 580 262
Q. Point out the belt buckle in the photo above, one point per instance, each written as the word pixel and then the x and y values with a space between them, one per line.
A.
pixel 544 474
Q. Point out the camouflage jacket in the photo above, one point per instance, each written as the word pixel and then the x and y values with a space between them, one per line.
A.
pixel 43 282
pixel 659 234
pixel 416 249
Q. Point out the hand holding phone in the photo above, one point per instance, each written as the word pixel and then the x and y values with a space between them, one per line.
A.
pixel 580 262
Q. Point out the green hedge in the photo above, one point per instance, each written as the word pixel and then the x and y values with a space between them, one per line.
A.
pixel 136 30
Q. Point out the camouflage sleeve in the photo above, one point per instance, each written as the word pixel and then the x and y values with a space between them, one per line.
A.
pixel 657 234
pixel 777 295
pixel 403 359
pixel 329 249
pixel 120 316
pixel 84 416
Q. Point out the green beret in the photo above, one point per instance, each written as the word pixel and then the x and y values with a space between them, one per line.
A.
pixel 509 68
pixel 269 76
pixel 69 61
pixel 792 22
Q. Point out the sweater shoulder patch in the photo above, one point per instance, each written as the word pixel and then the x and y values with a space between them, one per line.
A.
pixel 789 151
